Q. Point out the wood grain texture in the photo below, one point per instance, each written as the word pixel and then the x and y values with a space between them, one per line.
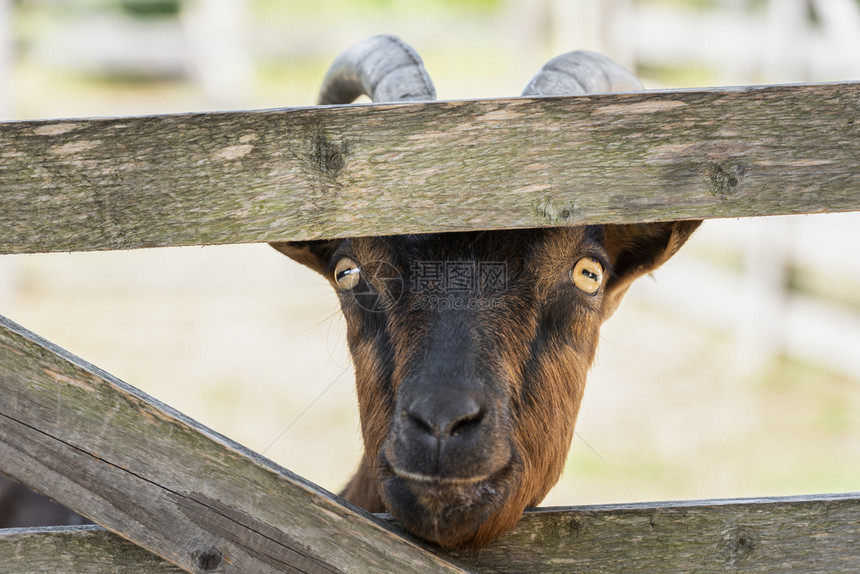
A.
pixel 797 534
pixel 76 549
pixel 438 166
pixel 171 486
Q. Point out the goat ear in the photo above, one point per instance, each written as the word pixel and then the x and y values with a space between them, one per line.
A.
pixel 638 249
pixel 314 254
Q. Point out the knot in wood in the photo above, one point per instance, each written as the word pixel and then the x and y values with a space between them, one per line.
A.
pixel 722 179
pixel 548 210
pixel 328 156
pixel 577 526
pixel 736 544
pixel 207 559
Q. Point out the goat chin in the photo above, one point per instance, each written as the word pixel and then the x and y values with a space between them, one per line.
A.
pixel 450 513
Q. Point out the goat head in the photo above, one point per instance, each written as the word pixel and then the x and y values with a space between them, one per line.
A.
pixel 471 349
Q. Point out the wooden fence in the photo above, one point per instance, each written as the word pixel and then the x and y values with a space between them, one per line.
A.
pixel 170 494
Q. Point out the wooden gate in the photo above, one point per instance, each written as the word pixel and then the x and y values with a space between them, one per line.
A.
pixel 171 495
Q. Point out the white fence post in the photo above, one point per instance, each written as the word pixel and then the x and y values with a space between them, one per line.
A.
pixel 5 58
pixel 221 63
pixel 762 296
pixel 5 113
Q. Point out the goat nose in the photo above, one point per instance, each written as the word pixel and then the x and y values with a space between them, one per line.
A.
pixel 445 415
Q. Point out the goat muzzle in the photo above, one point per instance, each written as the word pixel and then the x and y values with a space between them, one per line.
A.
pixel 448 463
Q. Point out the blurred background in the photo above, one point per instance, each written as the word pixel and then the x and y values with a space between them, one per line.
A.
pixel 735 371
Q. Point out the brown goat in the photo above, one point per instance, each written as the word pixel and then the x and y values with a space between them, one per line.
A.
pixel 471 349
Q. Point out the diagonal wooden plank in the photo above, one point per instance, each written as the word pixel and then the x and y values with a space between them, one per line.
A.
pixel 171 486
pixel 436 166
pixel 819 533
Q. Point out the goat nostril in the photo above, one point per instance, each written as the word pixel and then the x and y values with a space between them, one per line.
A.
pixel 422 421
pixel 423 425
pixel 443 417
pixel 466 423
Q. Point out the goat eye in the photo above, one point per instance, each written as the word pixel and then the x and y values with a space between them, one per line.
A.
pixel 347 273
pixel 587 275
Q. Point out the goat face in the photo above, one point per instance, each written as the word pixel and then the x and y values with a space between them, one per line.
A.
pixel 470 353
pixel 470 349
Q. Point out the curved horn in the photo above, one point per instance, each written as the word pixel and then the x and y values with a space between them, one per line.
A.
pixel 382 67
pixel 581 72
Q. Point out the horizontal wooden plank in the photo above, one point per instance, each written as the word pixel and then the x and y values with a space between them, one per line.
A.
pixel 171 486
pixel 78 549
pixel 799 534
pixel 437 166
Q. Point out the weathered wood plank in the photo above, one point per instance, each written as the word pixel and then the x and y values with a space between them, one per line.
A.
pixel 799 534
pixel 77 549
pixel 795 534
pixel 171 486
pixel 438 166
